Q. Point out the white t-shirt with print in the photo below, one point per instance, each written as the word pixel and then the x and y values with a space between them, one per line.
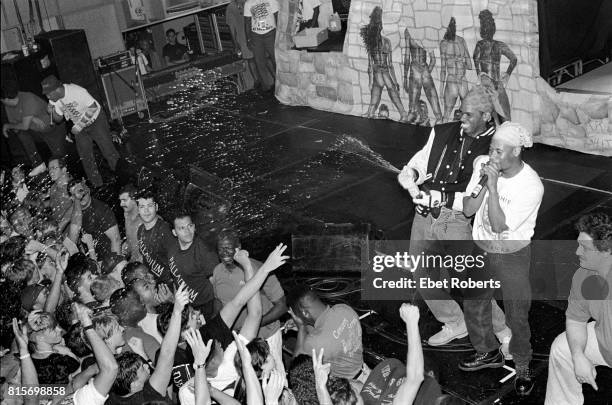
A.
pixel 519 198
pixel 262 15
pixel 226 376
pixel 74 104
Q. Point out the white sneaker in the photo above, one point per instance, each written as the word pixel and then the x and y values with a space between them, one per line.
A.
pixel 504 337
pixel 448 334
pixel 41 168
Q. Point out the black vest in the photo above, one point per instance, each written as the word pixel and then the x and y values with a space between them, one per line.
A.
pixel 448 173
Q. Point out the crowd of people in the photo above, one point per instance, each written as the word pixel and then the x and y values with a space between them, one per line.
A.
pixel 142 309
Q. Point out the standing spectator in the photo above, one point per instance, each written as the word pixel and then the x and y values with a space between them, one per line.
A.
pixel 90 124
pixel 28 118
pixel 127 201
pixel 261 19
pixel 234 18
pixel 173 52
pixel 192 262
pixel 59 197
pixel 98 220
pixel 228 278
pixel 154 237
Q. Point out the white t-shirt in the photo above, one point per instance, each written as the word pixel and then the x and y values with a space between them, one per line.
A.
pixel 74 105
pixel 262 15
pixel 306 9
pixel 89 395
pixel 520 198
pixel 149 326
pixel 226 376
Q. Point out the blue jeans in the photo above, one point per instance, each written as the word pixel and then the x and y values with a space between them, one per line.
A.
pixel 512 271
pixel 449 234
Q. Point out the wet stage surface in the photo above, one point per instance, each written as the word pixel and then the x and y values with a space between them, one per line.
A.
pixel 278 167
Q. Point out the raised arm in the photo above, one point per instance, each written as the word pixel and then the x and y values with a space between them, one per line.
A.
pixel 61 262
pixel 29 376
pixel 321 372
pixel 230 311
pixel 163 369
pixel 253 389
pixel 107 364
pixel 414 359
pixel 250 327
pixel 200 353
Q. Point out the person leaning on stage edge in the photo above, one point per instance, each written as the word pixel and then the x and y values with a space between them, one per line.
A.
pixel 74 103
pixel 444 166
pixel 587 340
pixel 28 118
pixel 173 52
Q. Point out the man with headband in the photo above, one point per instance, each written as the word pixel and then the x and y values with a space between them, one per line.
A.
pixel 436 177
pixel 506 211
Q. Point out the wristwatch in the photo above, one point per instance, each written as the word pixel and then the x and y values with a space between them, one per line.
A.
pixel 198 366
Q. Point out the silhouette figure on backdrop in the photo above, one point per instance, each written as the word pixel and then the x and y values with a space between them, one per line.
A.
pixel 487 60
pixel 455 60
pixel 415 61
pixel 380 65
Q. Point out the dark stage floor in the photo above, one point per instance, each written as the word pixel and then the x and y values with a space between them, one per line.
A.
pixel 280 167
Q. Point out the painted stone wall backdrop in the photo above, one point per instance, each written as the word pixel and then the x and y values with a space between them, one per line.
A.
pixel 413 89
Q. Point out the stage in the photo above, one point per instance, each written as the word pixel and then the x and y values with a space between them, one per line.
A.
pixel 280 167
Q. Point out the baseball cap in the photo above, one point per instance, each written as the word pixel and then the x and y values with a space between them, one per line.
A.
pixel 49 84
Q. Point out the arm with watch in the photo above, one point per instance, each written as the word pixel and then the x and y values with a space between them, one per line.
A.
pixel 200 353
pixel 29 376
pixel 160 378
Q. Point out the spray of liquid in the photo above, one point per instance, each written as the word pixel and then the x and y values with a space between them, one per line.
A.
pixel 350 145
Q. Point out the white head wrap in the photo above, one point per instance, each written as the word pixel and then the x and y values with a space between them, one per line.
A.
pixel 514 134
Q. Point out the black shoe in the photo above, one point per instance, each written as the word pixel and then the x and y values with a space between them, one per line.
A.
pixel 523 383
pixel 478 361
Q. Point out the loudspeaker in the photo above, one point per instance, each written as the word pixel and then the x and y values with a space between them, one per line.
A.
pixel 123 91
pixel 28 72
pixel 69 55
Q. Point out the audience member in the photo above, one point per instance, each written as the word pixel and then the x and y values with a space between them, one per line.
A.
pixel 127 201
pixel 59 197
pixel 260 22
pixel 173 52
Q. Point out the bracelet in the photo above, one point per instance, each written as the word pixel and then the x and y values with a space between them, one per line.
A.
pixel 88 327
pixel 199 366
pixel 25 356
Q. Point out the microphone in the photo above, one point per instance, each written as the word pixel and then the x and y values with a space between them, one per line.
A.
pixel 478 189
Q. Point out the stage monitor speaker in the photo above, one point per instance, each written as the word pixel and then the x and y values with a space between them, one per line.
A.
pixel 69 55
pixel 124 93
pixel 27 72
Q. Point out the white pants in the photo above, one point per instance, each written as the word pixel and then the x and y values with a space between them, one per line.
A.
pixel 276 350
pixel 562 387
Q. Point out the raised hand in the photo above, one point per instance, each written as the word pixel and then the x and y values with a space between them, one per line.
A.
pixel 61 260
pixel 163 294
pixel 83 313
pixel 276 258
pixel 198 348
pixel 245 355
pixel 273 387
pixel 409 314
pixel 321 371
pixel 181 297
pixel 241 256
pixel 299 322
pixel 21 336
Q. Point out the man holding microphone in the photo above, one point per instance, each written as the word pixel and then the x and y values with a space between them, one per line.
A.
pixel 505 215
pixel 74 103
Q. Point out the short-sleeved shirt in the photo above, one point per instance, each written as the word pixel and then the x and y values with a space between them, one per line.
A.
pixel 227 284
pixel 154 245
pixel 74 104
pixel 174 52
pixel 520 197
pixel 338 331
pixel 59 200
pixel 596 305
pixel 261 13
pixel 97 219
pixel 29 105
pixel 147 394
pixel 182 369
pixel 194 266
